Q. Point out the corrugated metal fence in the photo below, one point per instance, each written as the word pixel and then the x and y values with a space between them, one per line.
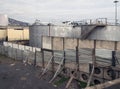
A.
pixel 21 52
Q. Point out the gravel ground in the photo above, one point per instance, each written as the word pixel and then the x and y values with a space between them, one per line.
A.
pixel 116 86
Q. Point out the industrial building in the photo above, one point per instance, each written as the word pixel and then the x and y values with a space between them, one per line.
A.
pixel 87 51
pixel 103 32
pixel 93 43
pixel 12 32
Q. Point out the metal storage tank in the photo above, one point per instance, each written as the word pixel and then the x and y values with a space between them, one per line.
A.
pixel 39 30
pixel 94 32
pixel 36 32
pixel 108 33
pixel 65 31
pixel 3 20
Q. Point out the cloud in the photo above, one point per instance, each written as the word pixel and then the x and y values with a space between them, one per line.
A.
pixel 59 10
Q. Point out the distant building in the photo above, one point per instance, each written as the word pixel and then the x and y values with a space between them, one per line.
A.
pixel 13 30
pixel 12 33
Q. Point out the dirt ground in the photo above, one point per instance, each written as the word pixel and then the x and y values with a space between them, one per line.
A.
pixel 16 75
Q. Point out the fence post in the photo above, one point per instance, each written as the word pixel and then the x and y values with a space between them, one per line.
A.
pixel 115 47
pixel 113 58
pixel 113 64
pixel 35 58
pixel 64 61
pixel 43 61
pixel 77 58
pixel 53 61
pixel 93 64
pixel 64 58
pixel 63 43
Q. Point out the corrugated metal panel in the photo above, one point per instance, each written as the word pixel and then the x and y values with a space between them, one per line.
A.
pixel 104 53
pixel 103 56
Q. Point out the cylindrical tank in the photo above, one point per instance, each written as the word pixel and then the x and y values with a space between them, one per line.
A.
pixel 3 20
pixel 37 31
pixel 108 33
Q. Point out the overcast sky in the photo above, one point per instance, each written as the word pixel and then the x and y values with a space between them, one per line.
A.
pixel 58 10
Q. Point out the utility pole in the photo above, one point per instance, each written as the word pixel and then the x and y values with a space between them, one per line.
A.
pixel 116 11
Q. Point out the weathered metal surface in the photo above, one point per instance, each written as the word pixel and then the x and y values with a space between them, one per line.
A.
pixel 65 31
pixel 37 31
pixel 3 20
pixel 100 32
pixel 108 33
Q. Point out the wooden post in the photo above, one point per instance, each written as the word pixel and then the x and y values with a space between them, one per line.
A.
pixel 52 43
pixel 49 29
pixel 77 42
pixel 64 54
pixel 35 58
pixel 113 59
pixel 52 54
pixel 113 64
pixel 63 43
pixel 53 61
pixel 94 63
pixel 115 47
pixel 43 61
pixel 94 52
pixel 64 58
pixel 77 58
pixel 64 61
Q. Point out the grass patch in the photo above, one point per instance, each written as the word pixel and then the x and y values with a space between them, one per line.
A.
pixel 61 81
pixel 83 84
pixel 2 56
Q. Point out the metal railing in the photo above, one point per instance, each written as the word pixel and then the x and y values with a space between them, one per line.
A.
pixel 99 21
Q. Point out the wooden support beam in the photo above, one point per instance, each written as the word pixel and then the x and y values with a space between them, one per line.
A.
pixel 115 47
pixel 53 69
pixel 72 76
pixel 35 58
pixel 64 59
pixel 69 82
pixel 43 61
pixel 94 63
pixel 77 58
